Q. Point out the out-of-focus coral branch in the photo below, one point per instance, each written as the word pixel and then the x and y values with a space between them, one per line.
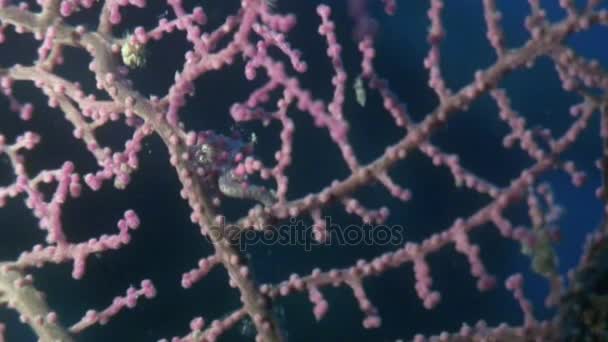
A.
pixel 17 291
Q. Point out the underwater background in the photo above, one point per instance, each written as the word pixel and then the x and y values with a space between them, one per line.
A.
pixel 167 244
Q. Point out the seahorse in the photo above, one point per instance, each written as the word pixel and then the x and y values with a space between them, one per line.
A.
pixel 218 161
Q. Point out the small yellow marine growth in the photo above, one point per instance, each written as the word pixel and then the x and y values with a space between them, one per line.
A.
pixel 133 53
pixel 542 252
pixel 359 88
